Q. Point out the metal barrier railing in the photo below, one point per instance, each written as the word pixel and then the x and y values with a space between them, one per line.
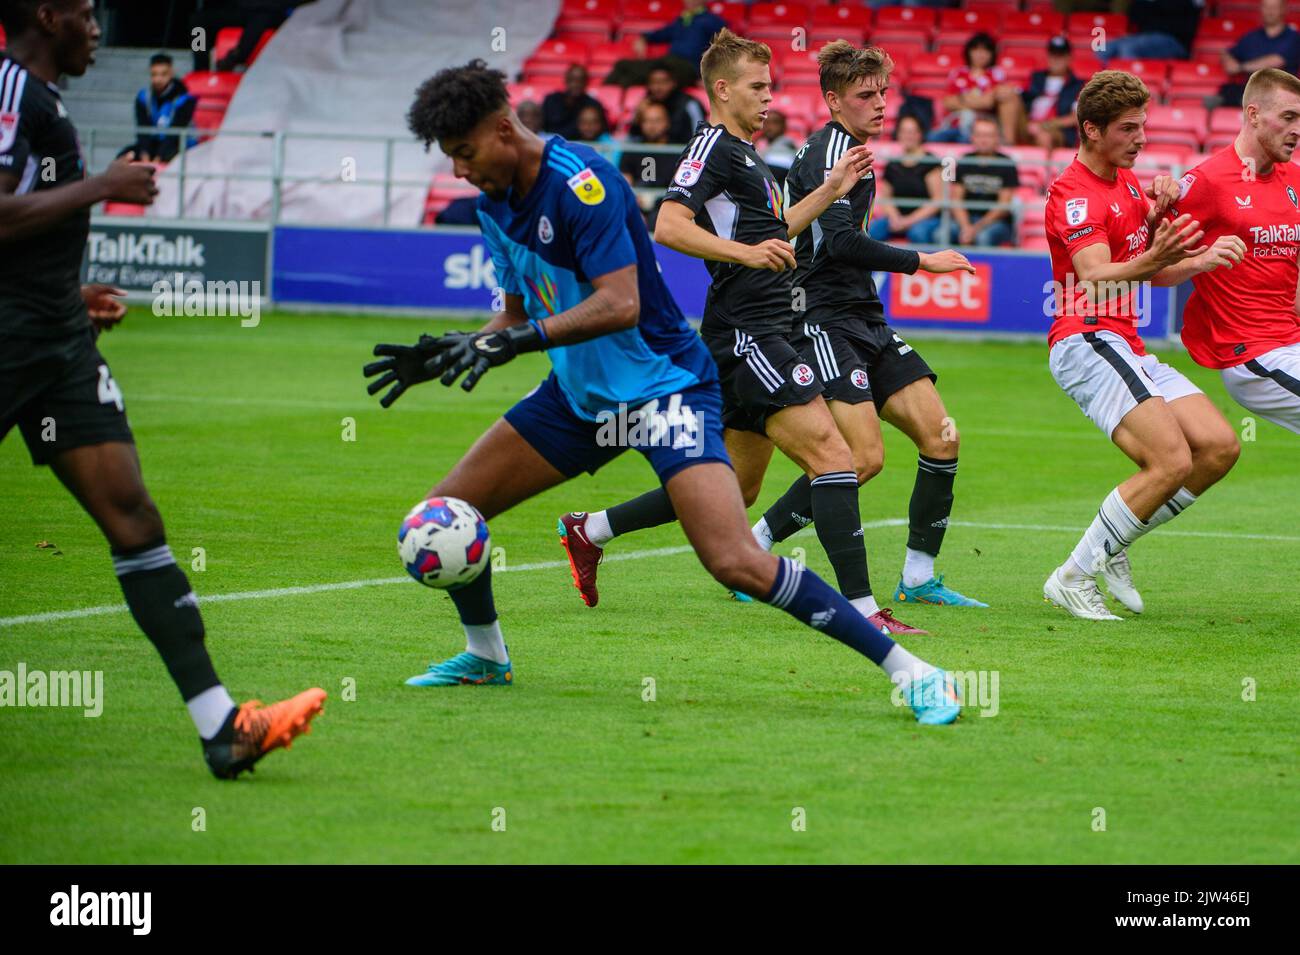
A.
pixel 278 178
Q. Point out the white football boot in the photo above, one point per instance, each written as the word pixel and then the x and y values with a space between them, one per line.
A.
pixel 1117 574
pixel 1083 600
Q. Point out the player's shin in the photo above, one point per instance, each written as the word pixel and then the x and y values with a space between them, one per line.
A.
pixel 808 598
pixel 651 509
pixel 927 517
pixel 839 528
pixel 165 608
pixel 789 512
pixel 478 615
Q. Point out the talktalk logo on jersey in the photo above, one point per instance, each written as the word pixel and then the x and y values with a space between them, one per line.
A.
pixel 952 297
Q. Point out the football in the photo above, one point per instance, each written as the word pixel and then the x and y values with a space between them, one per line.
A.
pixel 444 542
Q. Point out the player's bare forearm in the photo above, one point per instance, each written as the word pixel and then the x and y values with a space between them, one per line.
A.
pixel 680 232
pixel 37 212
pixel 801 215
pixel 615 305
pixel 512 314
pixel 1178 273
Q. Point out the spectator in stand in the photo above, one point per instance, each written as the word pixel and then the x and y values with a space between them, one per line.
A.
pixel 594 128
pixel 162 105
pixel 254 16
pixel 1050 99
pixel 1275 44
pixel 684 110
pixel 981 89
pixel 983 175
pixel 777 148
pixel 687 37
pixel 560 109
pixel 915 175
pixel 646 168
pixel 1159 30
pixel 530 114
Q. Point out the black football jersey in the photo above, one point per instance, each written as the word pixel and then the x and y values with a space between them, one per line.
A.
pixel 40 275
pixel 723 180
pixel 835 255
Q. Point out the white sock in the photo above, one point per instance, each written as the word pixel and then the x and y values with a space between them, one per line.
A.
pixel 903 667
pixel 917 568
pixel 484 640
pixel 1113 529
pixel 866 605
pixel 1167 511
pixel 209 710
pixel 598 529
pixel 763 534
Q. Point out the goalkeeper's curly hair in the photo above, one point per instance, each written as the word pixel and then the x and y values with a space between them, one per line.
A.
pixel 456 100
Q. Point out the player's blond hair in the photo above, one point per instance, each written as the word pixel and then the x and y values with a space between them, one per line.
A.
pixel 842 63
pixel 721 60
pixel 1107 96
pixel 1264 83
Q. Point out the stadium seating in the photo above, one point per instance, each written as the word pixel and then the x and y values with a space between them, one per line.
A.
pixel 212 88
pixel 588 17
pixel 736 14
pixel 228 39
pixel 839 22
pixel 905 20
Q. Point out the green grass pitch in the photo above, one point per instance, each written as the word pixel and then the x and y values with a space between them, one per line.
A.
pixel 242 437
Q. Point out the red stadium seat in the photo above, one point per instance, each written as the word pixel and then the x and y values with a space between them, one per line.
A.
pixel 1225 119
pixel 536 92
pixel 606 9
pixel 1192 81
pixel 851 23
pixel 1218 141
pixel 1021 61
pixel 607 54
pixel 1080 26
pixel 228 39
pixel 2 38
pixel 564 52
pixel 778 14
pixel 965 22
pixel 213 87
pixel 910 20
pixel 1226 28
pixel 795 104
pixel 642 16
pixel 611 98
pixel 800 67
pixel 1154 73
pixel 933 64
pixel 1176 125
pixel 736 14
pixel 208 116
pixel 952 48
pixel 1038 23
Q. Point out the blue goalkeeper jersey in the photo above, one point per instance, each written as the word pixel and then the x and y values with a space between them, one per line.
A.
pixel 578 222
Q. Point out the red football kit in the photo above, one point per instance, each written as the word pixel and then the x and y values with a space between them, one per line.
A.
pixel 1084 209
pixel 1239 313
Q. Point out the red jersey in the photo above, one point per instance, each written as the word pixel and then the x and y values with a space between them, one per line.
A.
pixel 1084 209
pixel 1239 313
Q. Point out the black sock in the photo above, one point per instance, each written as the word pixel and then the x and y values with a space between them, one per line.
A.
pixel 839 528
pixel 791 511
pixel 931 504
pixel 165 608
pixel 651 509
pixel 474 601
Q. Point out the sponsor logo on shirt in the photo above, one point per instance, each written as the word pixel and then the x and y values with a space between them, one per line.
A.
pixel 544 230
pixel 8 131
pixel 688 172
pixel 951 297
pixel 1076 210
pixel 587 187
pixel 1275 241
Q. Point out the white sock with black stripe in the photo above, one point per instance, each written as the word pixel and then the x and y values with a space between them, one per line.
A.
pixel 1113 529
pixel 1171 508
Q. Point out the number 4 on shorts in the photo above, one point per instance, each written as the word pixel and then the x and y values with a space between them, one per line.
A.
pixel 109 394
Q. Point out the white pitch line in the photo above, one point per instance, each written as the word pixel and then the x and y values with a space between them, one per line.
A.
pixel 56 615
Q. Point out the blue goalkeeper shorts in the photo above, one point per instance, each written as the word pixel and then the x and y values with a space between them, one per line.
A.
pixel 673 432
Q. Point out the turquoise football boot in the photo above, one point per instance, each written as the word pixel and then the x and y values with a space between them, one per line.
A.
pixel 933 592
pixel 465 669
pixel 934 699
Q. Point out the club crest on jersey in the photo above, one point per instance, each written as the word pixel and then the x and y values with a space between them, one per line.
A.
pixel 8 131
pixel 1290 194
pixel 1133 191
pixel 688 173
pixel 859 379
pixel 1076 210
pixel 587 187
pixel 802 375
pixel 545 232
